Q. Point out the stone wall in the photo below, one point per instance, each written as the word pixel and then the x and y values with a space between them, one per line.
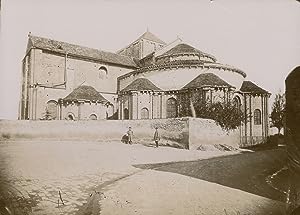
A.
pixel 49 69
pixel 83 111
pixel 177 132
pixel 207 132
pixel 176 78
pixel 173 131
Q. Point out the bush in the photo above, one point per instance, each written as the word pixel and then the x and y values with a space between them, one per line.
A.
pixel 5 136
pixel 276 139
pixel 225 114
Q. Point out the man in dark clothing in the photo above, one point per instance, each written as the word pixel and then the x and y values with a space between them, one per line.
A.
pixel 130 134
pixel 156 137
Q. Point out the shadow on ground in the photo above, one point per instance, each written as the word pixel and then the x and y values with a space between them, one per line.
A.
pixel 246 172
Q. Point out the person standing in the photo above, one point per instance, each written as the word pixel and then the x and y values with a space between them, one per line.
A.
pixel 156 137
pixel 130 135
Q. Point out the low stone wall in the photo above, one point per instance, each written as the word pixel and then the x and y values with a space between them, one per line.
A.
pixel 173 131
pixel 207 132
pixel 179 132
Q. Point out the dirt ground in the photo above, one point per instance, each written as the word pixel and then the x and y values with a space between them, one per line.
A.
pixel 59 177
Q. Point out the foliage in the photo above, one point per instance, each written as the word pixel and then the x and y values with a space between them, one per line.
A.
pixel 226 114
pixel 278 112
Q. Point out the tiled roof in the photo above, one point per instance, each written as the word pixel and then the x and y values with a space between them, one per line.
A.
pixel 141 84
pixel 149 36
pixel 85 93
pixel 185 49
pixel 81 51
pixel 207 80
pixel 183 63
pixel 250 87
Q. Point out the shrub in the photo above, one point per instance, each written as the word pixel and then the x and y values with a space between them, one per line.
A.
pixel 5 136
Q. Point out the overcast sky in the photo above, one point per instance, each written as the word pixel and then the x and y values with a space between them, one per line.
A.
pixel 261 37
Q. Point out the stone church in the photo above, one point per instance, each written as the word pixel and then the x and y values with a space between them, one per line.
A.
pixel 144 80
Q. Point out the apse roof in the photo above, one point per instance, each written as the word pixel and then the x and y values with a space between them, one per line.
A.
pixel 250 87
pixel 85 93
pixel 141 84
pixel 185 49
pixel 205 80
pixel 81 51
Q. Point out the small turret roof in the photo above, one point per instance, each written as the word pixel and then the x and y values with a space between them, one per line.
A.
pixel 85 93
pixel 183 48
pixel 141 84
pixel 207 80
pixel 250 87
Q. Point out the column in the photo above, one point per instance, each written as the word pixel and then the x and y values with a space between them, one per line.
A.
pixel 262 118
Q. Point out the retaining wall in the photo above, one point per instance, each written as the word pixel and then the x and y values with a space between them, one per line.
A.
pixel 207 132
pixel 178 132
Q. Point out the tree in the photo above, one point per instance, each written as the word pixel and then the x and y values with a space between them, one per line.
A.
pixel 278 112
pixel 225 114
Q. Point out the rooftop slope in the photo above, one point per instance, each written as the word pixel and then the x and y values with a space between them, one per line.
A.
pixel 250 87
pixel 205 80
pixel 85 93
pixel 81 51
pixel 141 84
pixel 185 49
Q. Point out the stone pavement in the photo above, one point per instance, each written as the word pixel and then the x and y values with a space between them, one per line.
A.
pixel 58 177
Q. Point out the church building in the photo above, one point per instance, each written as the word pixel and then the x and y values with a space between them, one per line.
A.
pixel 147 79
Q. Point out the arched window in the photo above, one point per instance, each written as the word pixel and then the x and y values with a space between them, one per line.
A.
pixel 257 117
pixel 171 108
pixel 102 72
pixel 51 109
pixel 237 102
pixel 144 113
pixel 93 117
pixel 126 113
pixel 70 116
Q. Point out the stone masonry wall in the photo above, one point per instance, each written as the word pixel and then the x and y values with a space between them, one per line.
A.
pixel 207 132
pixel 178 132
pixel 49 68
pixel 172 131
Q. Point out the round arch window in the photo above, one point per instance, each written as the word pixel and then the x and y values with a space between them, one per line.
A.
pixel 126 113
pixel 171 108
pixel 257 117
pixel 102 72
pixel 144 113
pixel 237 102
pixel 93 117
pixel 51 109
pixel 70 116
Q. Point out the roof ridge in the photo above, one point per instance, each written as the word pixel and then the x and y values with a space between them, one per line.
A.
pixel 141 83
pixel 204 79
pixel 85 92
pixel 80 50
pixel 83 46
pixel 251 87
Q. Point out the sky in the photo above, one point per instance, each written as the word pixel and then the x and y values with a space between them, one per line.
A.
pixel 261 37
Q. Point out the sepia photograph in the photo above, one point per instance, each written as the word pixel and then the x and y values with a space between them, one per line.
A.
pixel 149 107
